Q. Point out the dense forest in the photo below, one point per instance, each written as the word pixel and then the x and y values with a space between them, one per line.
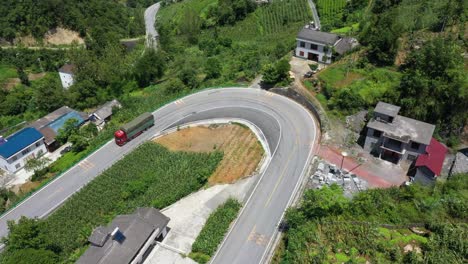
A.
pixel 95 19
pixel 411 224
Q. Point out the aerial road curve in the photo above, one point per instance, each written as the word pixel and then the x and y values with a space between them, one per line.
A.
pixel 150 19
pixel 289 129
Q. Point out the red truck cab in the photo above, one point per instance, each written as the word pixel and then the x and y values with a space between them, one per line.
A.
pixel 120 137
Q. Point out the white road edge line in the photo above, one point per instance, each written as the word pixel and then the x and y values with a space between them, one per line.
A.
pixel 296 188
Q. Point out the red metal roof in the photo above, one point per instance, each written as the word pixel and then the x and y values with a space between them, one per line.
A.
pixel 434 157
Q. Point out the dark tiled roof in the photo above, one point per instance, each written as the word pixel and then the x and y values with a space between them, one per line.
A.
pixel 345 44
pixel 67 68
pixel 318 36
pixel 136 229
pixel 18 141
pixel 387 109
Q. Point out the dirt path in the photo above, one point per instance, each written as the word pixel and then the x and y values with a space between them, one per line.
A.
pixel 242 151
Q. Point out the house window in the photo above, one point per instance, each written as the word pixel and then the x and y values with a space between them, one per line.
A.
pixel 25 151
pixel 14 158
pixel 38 144
pixel 313 47
pixel 377 133
pixel 17 166
pixel 301 53
pixel 415 145
pixel 411 157
pixel 302 44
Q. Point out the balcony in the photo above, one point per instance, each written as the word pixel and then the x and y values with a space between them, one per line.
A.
pixel 393 145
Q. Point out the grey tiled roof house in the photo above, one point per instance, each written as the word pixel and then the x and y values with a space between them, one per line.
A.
pixel 315 45
pixel 126 239
pixel 394 137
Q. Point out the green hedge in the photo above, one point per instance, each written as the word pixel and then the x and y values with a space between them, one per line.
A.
pixel 214 230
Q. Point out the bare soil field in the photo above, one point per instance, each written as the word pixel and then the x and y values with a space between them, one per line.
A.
pixel 242 151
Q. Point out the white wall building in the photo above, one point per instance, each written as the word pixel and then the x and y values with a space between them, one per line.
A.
pixel 319 46
pixel 18 148
pixel 66 73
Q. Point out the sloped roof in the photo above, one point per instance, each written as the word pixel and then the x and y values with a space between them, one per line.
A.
pixel 19 141
pixel 67 68
pixel 105 110
pixel 345 44
pixel 49 124
pixel 434 157
pixel 136 229
pixel 318 36
pixel 460 164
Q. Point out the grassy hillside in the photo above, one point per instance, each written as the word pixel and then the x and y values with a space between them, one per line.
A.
pixel 239 49
pixel 377 226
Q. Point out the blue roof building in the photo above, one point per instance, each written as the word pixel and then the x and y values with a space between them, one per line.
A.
pixel 24 144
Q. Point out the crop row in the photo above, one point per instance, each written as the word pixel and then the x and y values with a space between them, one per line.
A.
pixel 150 176
pixel 328 8
pixel 275 16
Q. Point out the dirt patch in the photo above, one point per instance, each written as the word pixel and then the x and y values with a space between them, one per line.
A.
pixel 25 187
pixel 35 76
pixel 351 76
pixel 10 83
pixel 242 151
pixel 62 36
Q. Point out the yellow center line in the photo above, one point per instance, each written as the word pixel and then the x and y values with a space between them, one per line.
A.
pixel 282 174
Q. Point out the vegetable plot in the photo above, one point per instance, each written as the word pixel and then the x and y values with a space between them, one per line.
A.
pixel 150 176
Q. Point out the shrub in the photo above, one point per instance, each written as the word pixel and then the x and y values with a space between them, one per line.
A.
pixel 215 228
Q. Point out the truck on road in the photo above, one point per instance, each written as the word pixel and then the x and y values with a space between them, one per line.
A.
pixel 133 128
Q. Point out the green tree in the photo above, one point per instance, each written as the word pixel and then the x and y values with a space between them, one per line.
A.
pixel 276 73
pixel 26 234
pixel 149 67
pixel 324 202
pixel 213 68
pixel 79 142
pixel 30 255
pixel 174 86
pixel 188 75
pixel 36 164
pixel 434 86
pixel 190 25
pixel 49 94
pixel 69 128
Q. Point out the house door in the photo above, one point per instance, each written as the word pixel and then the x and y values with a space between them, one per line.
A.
pixel 311 56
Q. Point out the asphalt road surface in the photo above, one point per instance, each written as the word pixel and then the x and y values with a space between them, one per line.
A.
pixel 288 128
pixel 314 13
pixel 150 18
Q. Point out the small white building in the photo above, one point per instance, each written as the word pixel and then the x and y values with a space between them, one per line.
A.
pixel 315 45
pixel 66 73
pixel 18 148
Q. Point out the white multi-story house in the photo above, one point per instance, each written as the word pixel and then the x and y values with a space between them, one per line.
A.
pixel 18 148
pixel 315 45
pixel 66 73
